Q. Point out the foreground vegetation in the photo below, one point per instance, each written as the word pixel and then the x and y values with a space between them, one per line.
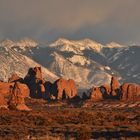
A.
pixel 60 121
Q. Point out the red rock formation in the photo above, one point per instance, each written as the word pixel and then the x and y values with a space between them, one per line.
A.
pixel 130 91
pixel 35 82
pixel 38 72
pixel 42 88
pixel 72 86
pixel 23 89
pixel 34 73
pixel 106 89
pixel 17 95
pixel 96 94
pixel 115 86
pixel 15 78
pixel 14 94
pixel 5 88
pixel 3 102
pixel 64 89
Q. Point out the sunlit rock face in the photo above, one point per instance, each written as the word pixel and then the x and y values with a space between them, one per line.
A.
pixel 130 91
pixel 18 93
pixel 3 102
pixel 12 95
pixel 96 94
pixel 115 86
pixel 64 89
pixel 124 92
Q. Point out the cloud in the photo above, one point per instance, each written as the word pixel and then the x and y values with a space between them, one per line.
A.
pixel 105 20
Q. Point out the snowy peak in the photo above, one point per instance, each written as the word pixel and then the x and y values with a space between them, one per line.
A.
pixel 61 41
pixel 7 43
pixel 22 44
pixel 76 46
pixel 114 45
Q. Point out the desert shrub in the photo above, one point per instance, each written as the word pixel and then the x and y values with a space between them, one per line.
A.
pixel 119 117
pixel 84 133
pixel 85 118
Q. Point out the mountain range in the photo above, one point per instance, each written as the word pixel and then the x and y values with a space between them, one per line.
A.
pixel 86 61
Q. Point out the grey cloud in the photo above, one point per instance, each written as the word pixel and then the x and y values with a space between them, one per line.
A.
pixel 106 20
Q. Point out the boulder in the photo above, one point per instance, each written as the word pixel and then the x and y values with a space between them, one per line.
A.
pixel 96 94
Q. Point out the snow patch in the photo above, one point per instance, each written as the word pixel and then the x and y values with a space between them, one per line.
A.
pixel 78 59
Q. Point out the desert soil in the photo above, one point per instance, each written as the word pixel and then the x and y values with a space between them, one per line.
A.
pixel 60 121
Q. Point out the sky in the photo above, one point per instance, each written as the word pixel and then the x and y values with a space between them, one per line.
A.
pixel 101 20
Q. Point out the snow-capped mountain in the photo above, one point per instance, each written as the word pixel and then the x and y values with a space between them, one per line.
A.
pixel 81 60
pixel 125 60
pixel 86 61
pixel 114 45
pixel 11 61
pixel 22 44
pixel 76 47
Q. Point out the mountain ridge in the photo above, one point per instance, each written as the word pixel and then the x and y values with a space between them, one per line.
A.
pixel 87 60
